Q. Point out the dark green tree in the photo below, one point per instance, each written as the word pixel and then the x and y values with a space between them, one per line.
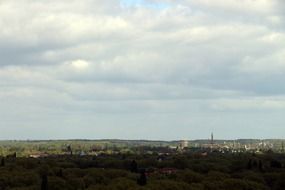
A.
pixel 142 180
pixel 134 166
pixel 249 165
pixel 44 182
pixel 2 162
pixel 260 165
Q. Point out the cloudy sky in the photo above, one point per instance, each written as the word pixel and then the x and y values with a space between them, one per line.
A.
pixel 142 69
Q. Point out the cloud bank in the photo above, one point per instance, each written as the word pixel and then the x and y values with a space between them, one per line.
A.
pixel 152 69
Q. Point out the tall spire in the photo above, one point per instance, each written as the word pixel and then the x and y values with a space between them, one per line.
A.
pixel 212 138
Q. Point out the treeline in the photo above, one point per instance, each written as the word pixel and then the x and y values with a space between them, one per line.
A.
pixel 145 172
pixel 26 148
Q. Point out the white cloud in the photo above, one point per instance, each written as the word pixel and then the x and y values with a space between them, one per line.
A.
pixel 90 57
pixel 263 6
pixel 249 104
pixel 79 64
pixel 267 65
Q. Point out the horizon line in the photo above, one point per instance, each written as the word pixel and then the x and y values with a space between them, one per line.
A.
pixel 123 139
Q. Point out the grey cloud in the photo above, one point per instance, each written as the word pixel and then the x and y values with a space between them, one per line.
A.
pixel 78 58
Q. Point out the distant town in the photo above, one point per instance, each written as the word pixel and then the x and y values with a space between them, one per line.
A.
pixel 45 148
pixel 208 164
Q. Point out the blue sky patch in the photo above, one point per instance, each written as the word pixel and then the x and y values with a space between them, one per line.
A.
pixel 143 3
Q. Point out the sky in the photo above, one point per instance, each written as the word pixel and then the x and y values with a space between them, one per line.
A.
pixel 142 69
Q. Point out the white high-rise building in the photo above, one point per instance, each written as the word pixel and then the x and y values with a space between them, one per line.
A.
pixel 183 144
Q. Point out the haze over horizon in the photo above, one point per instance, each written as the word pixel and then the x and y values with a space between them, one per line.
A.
pixel 142 69
pixel 141 139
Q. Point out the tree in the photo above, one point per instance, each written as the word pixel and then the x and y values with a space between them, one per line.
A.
pixel 44 183
pixel 260 165
pixel 59 173
pixel 3 161
pixel 142 179
pixel 249 165
pixel 134 167
pixel 275 164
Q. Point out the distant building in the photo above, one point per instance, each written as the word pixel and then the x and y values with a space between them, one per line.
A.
pixel 39 155
pixel 211 144
pixel 82 153
pixel 204 154
pixel 183 144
